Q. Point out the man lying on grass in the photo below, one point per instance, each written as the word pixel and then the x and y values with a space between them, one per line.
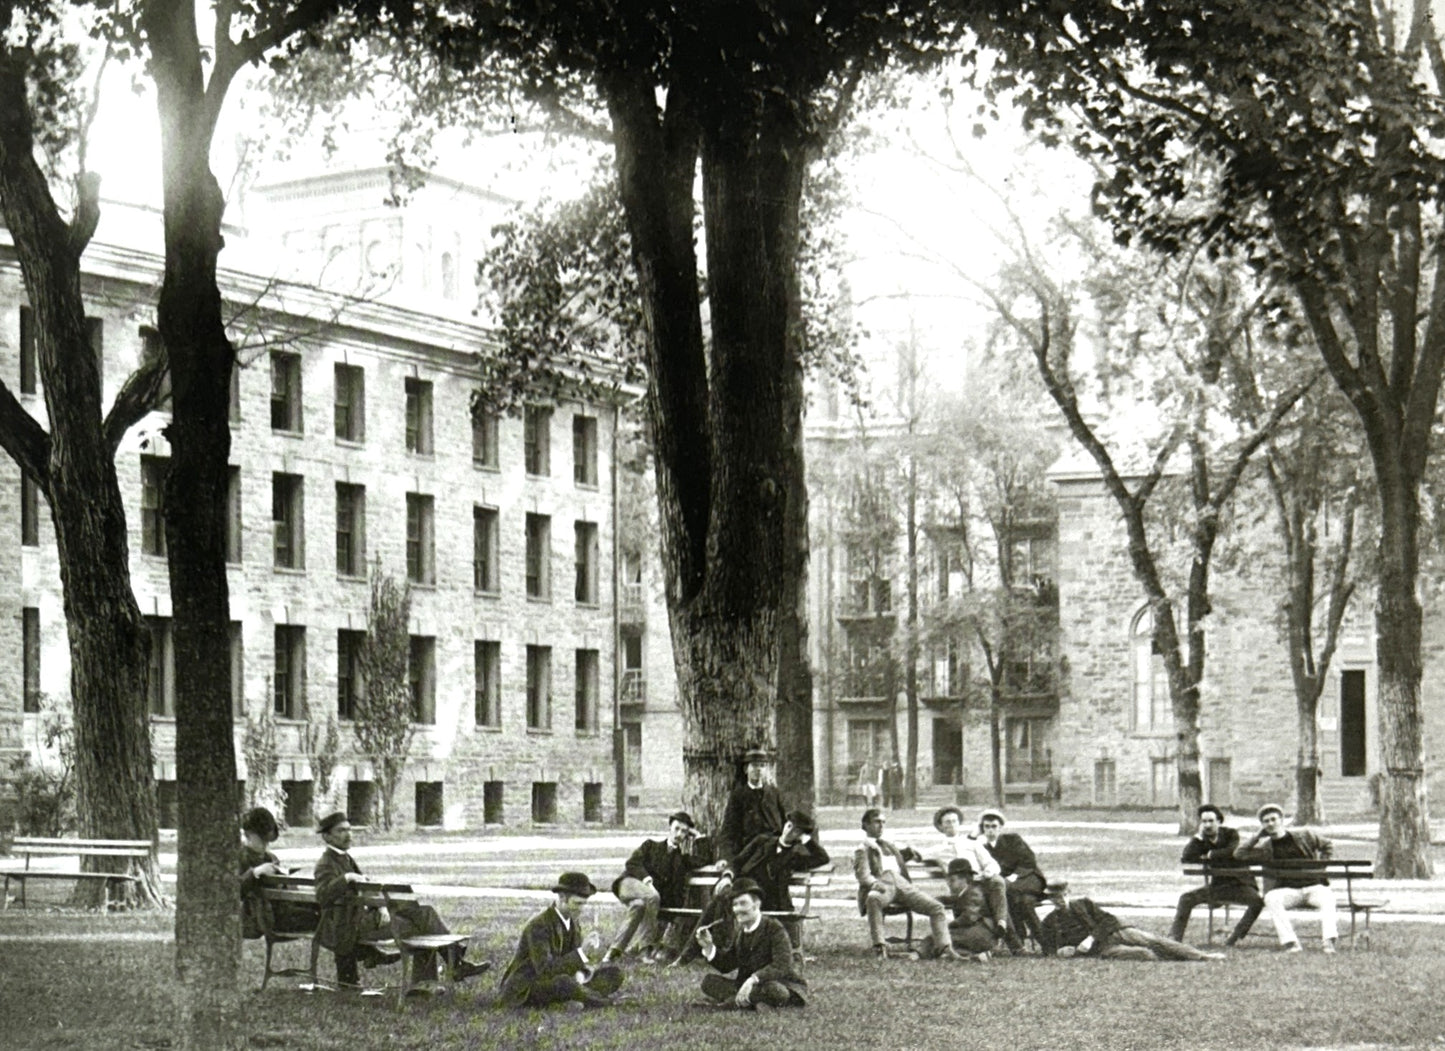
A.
pixel 1079 927
pixel 759 952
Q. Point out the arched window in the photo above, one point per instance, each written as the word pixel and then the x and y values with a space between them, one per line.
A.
pixel 1151 682
pixel 449 276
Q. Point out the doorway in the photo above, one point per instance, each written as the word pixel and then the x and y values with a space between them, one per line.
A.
pixel 1352 723
pixel 947 752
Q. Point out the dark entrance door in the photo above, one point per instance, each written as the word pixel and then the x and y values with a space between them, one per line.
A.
pixel 947 753
pixel 1352 723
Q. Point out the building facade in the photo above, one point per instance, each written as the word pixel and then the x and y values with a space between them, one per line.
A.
pixel 354 446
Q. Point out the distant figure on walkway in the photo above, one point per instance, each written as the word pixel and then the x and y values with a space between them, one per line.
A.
pixel 882 873
pixel 553 962
pixel 1216 842
pixel 346 920
pixel 869 775
pixel 949 821
pixel 753 808
pixel 1078 927
pixel 655 877
pixel 258 831
pixel 1023 881
pixel 760 954
pixel 1273 843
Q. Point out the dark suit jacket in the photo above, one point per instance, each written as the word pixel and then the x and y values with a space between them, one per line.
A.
pixel 868 866
pixel 344 919
pixel 970 908
pixel 761 860
pixel 668 868
pixel 1219 854
pixel 546 948
pixel 1015 858
pixel 1080 919
pixel 750 812
pixel 256 912
pixel 767 953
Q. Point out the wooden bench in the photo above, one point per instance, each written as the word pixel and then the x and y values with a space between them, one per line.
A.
pixel 414 948
pixel 1348 869
pixel 702 881
pixel 30 847
pixel 291 891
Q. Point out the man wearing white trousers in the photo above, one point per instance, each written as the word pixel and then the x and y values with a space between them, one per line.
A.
pixel 1273 844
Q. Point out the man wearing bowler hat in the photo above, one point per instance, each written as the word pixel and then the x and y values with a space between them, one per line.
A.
pixel 753 808
pixel 758 951
pixel 949 821
pixel 346 920
pixel 554 962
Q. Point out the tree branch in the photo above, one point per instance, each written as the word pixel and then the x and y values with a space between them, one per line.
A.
pixel 138 396
pixel 24 439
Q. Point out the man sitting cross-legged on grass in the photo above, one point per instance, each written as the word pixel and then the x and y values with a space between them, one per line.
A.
pixel 1273 842
pixel 972 929
pixel 1215 842
pixel 882 873
pixel 552 964
pixel 758 951
pixel 1079 927
pixel 770 862
pixel 346 920
pixel 655 877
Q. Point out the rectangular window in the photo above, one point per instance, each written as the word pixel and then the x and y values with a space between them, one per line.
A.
pixel 587 690
pixel 487 663
pixel 429 805
pixel 485 429
pixel 592 801
pixel 287 519
pixel 584 450
pixel 153 505
pixel 350 529
pixel 233 410
pixel 161 679
pixel 233 515
pixel 539 556
pixel 29 355
pixel 1219 790
pixel 1105 784
pixel 486 567
pixel 285 391
pixel 288 680
pixel 167 804
pixel 350 418
pixel 30 657
pixel 29 511
pixel 421 675
pixel 1163 781
pixel 348 671
pixel 492 796
pixel 298 802
pixel 420 539
pixel 238 671
pixel 585 545
pixel 418 417
pixel 537 440
pixel 539 687
pixel 544 802
pixel 152 350
pixel 360 802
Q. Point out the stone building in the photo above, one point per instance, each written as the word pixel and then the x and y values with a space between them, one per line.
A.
pixel 353 441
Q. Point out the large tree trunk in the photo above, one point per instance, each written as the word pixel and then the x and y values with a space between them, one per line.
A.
pixel 1404 846
pixel 1307 763
pixel 910 642
pixel 75 468
pixel 995 742
pixel 201 357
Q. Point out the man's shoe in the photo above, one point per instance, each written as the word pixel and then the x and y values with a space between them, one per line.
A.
pixel 1292 947
pixel 379 958
pixel 1215 956
pixel 612 955
pixel 465 969
pixel 948 952
pixel 980 957
pixel 1328 947
pixel 1229 943
pixel 881 951
pixel 664 957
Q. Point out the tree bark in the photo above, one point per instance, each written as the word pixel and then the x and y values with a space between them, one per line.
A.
pixel 201 357
pixel 74 466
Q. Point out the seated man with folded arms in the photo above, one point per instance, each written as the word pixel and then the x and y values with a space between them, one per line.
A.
pixel 759 953
pixel 1078 927
pixel 955 844
pixel 553 962
pixel 655 877
pixel 1023 882
pixel 1273 842
pixel 769 861
pixel 882 873
pixel 972 929
pixel 1215 843
pixel 346 921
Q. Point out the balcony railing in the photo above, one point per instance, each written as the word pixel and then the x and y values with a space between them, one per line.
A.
pixel 1028 769
pixel 632 598
pixel 634 688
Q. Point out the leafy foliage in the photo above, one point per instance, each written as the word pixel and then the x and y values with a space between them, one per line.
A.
pixel 262 752
pixel 383 712
pixel 45 790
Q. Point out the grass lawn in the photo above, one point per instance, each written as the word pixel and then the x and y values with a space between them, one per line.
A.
pixel 76 980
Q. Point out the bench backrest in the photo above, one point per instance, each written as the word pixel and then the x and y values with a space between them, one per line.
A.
pixel 1354 868
pixel 34 846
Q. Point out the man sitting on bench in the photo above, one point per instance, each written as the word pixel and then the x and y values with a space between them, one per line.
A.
pixel 553 961
pixel 346 921
pixel 1273 842
pixel 882 873
pixel 655 877
pixel 1215 843
pixel 258 831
